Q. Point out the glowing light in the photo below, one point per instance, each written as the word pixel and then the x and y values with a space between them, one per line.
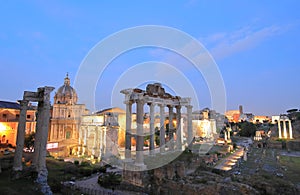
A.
pixel 226 168
pixel 3 127
pixel 231 163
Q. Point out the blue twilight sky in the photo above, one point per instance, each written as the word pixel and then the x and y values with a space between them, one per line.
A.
pixel 254 43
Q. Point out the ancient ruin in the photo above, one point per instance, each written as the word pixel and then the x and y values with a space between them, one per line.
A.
pixel 42 96
pixel 155 95
pixel 284 119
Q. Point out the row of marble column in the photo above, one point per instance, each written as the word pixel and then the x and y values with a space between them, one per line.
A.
pixel 140 131
pixel 285 136
pixel 42 126
pixel 99 142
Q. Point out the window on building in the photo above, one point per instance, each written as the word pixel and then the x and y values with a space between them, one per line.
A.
pixel 68 134
pixel 28 116
pixel 3 139
pixel 17 116
pixel 4 115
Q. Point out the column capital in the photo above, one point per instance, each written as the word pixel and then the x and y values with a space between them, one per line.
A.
pixel 128 102
pixel 140 101
pixel 189 106
pixel 178 106
pixel 151 104
pixel 23 102
pixel 170 106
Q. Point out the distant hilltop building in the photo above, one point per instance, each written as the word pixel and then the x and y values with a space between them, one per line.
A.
pixel 9 120
pixel 239 115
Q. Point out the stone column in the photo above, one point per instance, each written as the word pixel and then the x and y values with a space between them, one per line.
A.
pixel 101 143
pixel 104 147
pixel 189 125
pixel 79 142
pixel 94 143
pixel 284 129
pixel 139 132
pixel 38 134
pixel 152 130
pixel 228 133
pixel 290 129
pixel 41 166
pixel 279 129
pixel 44 126
pixel 84 148
pixel 178 129
pixel 20 136
pixel 162 129
pixel 128 130
pixel 171 128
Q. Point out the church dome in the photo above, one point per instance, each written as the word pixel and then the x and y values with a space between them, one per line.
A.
pixel 65 94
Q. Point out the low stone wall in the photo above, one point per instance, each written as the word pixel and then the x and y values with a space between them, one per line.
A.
pixel 6 162
pixel 293 145
pixel 275 144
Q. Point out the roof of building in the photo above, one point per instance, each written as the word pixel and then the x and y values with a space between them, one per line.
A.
pixel 66 93
pixel 11 105
pixel 15 105
pixel 114 109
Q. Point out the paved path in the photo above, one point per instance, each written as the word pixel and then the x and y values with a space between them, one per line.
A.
pixel 91 186
pixel 228 162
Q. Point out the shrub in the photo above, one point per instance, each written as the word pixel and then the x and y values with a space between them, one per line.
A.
pixel 102 169
pixel 85 164
pixel 86 171
pixel 109 180
pixel 76 162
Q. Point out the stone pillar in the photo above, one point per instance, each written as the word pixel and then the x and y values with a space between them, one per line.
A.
pixel 279 129
pixel 290 129
pixel 139 133
pixel 152 129
pixel 162 129
pixel 128 130
pixel 79 142
pixel 104 147
pixel 94 143
pixel 228 133
pixel 171 128
pixel 284 129
pixel 41 166
pixel 20 136
pixel 178 129
pixel 84 148
pixel 44 127
pixel 189 125
pixel 38 134
pixel 101 143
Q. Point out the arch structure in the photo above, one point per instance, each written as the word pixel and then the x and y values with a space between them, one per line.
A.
pixel 155 95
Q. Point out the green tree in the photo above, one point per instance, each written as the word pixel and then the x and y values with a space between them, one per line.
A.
pixel 247 129
pixel 29 140
pixel 109 180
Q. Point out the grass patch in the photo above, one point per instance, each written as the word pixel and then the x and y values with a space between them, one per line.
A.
pixel 292 166
pixel 58 171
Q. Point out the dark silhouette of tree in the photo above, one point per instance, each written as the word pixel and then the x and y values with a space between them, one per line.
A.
pixel 29 140
pixel 247 129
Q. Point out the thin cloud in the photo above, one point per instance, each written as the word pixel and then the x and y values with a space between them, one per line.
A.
pixel 226 44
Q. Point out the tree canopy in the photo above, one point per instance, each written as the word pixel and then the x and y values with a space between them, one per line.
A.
pixel 247 129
